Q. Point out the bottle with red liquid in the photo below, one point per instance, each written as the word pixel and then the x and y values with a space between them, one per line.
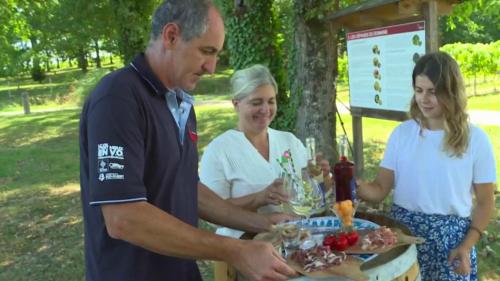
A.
pixel 343 171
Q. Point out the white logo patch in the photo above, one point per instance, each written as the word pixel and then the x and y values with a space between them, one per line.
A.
pixel 116 166
pixel 106 152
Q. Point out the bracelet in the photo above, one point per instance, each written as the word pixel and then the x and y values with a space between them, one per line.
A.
pixel 477 230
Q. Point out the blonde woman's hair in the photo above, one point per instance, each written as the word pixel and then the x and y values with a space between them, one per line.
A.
pixel 246 81
pixel 445 74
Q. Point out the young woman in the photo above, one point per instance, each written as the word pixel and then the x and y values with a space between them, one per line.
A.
pixel 437 162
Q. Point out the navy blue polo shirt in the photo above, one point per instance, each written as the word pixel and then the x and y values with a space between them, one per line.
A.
pixel 130 151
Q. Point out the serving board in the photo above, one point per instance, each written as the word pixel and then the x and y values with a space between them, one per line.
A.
pixel 403 239
pixel 350 269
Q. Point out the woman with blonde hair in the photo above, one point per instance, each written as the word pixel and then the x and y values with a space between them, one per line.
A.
pixel 241 164
pixel 437 162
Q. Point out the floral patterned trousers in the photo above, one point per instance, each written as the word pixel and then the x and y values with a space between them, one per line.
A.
pixel 442 233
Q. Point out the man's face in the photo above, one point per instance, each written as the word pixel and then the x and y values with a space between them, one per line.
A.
pixel 198 56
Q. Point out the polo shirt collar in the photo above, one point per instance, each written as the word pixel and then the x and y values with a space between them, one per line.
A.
pixel 142 67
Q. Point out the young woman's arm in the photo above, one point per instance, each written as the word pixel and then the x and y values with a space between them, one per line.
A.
pixel 378 189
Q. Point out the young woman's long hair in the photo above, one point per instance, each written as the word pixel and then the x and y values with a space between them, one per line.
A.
pixel 445 74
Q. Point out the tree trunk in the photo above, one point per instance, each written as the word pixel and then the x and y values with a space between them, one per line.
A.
pixel 313 86
pixel 98 57
pixel 47 65
pixel 82 60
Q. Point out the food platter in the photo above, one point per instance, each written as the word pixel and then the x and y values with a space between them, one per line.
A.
pixel 318 230
pixel 321 226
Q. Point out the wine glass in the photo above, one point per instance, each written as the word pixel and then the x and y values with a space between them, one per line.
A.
pixel 345 211
pixel 305 195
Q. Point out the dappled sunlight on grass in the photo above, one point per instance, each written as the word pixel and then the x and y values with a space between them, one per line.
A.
pixel 39 149
pixel 30 129
pixel 41 228
pixel 212 121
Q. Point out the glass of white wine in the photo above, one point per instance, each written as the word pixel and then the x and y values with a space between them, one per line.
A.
pixel 305 196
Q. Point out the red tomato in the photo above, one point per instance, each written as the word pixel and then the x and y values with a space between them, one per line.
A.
pixel 352 237
pixel 341 243
pixel 329 241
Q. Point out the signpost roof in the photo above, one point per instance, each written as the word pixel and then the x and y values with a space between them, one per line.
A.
pixel 375 13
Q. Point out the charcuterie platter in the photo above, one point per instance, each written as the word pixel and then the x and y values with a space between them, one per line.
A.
pixel 318 228
pixel 323 251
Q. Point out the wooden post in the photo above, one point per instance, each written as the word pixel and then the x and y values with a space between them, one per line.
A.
pixel 357 134
pixel 50 85
pixel 10 91
pixel 430 11
pixel 26 102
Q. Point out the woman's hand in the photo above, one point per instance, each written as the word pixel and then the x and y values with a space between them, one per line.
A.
pixel 459 258
pixel 277 218
pixel 274 194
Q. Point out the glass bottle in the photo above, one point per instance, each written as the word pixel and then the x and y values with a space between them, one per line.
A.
pixel 345 186
pixel 311 149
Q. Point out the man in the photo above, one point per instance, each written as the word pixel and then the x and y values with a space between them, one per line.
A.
pixel 139 164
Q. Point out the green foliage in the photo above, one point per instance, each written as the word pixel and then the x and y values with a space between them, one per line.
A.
pixel 133 20
pixel 472 21
pixel 316 10
pixel 475 59
pixel 255 35
pixel 249 33
pixel 343 76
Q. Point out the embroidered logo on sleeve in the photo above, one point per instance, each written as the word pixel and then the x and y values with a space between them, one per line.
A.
pixel 110 160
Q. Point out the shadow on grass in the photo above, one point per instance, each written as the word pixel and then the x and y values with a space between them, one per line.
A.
pixel 39 150
pixel 41 235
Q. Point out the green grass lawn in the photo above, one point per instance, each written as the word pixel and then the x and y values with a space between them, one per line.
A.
pixel 40 211
pixel 486 102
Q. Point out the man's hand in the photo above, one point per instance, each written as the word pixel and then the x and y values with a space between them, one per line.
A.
pixel 259 261
pixel 459 258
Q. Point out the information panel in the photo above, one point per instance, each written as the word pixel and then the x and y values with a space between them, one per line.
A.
pixel 381 61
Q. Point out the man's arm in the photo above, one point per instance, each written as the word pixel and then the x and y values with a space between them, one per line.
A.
pixel 146 226
pixel 214 209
